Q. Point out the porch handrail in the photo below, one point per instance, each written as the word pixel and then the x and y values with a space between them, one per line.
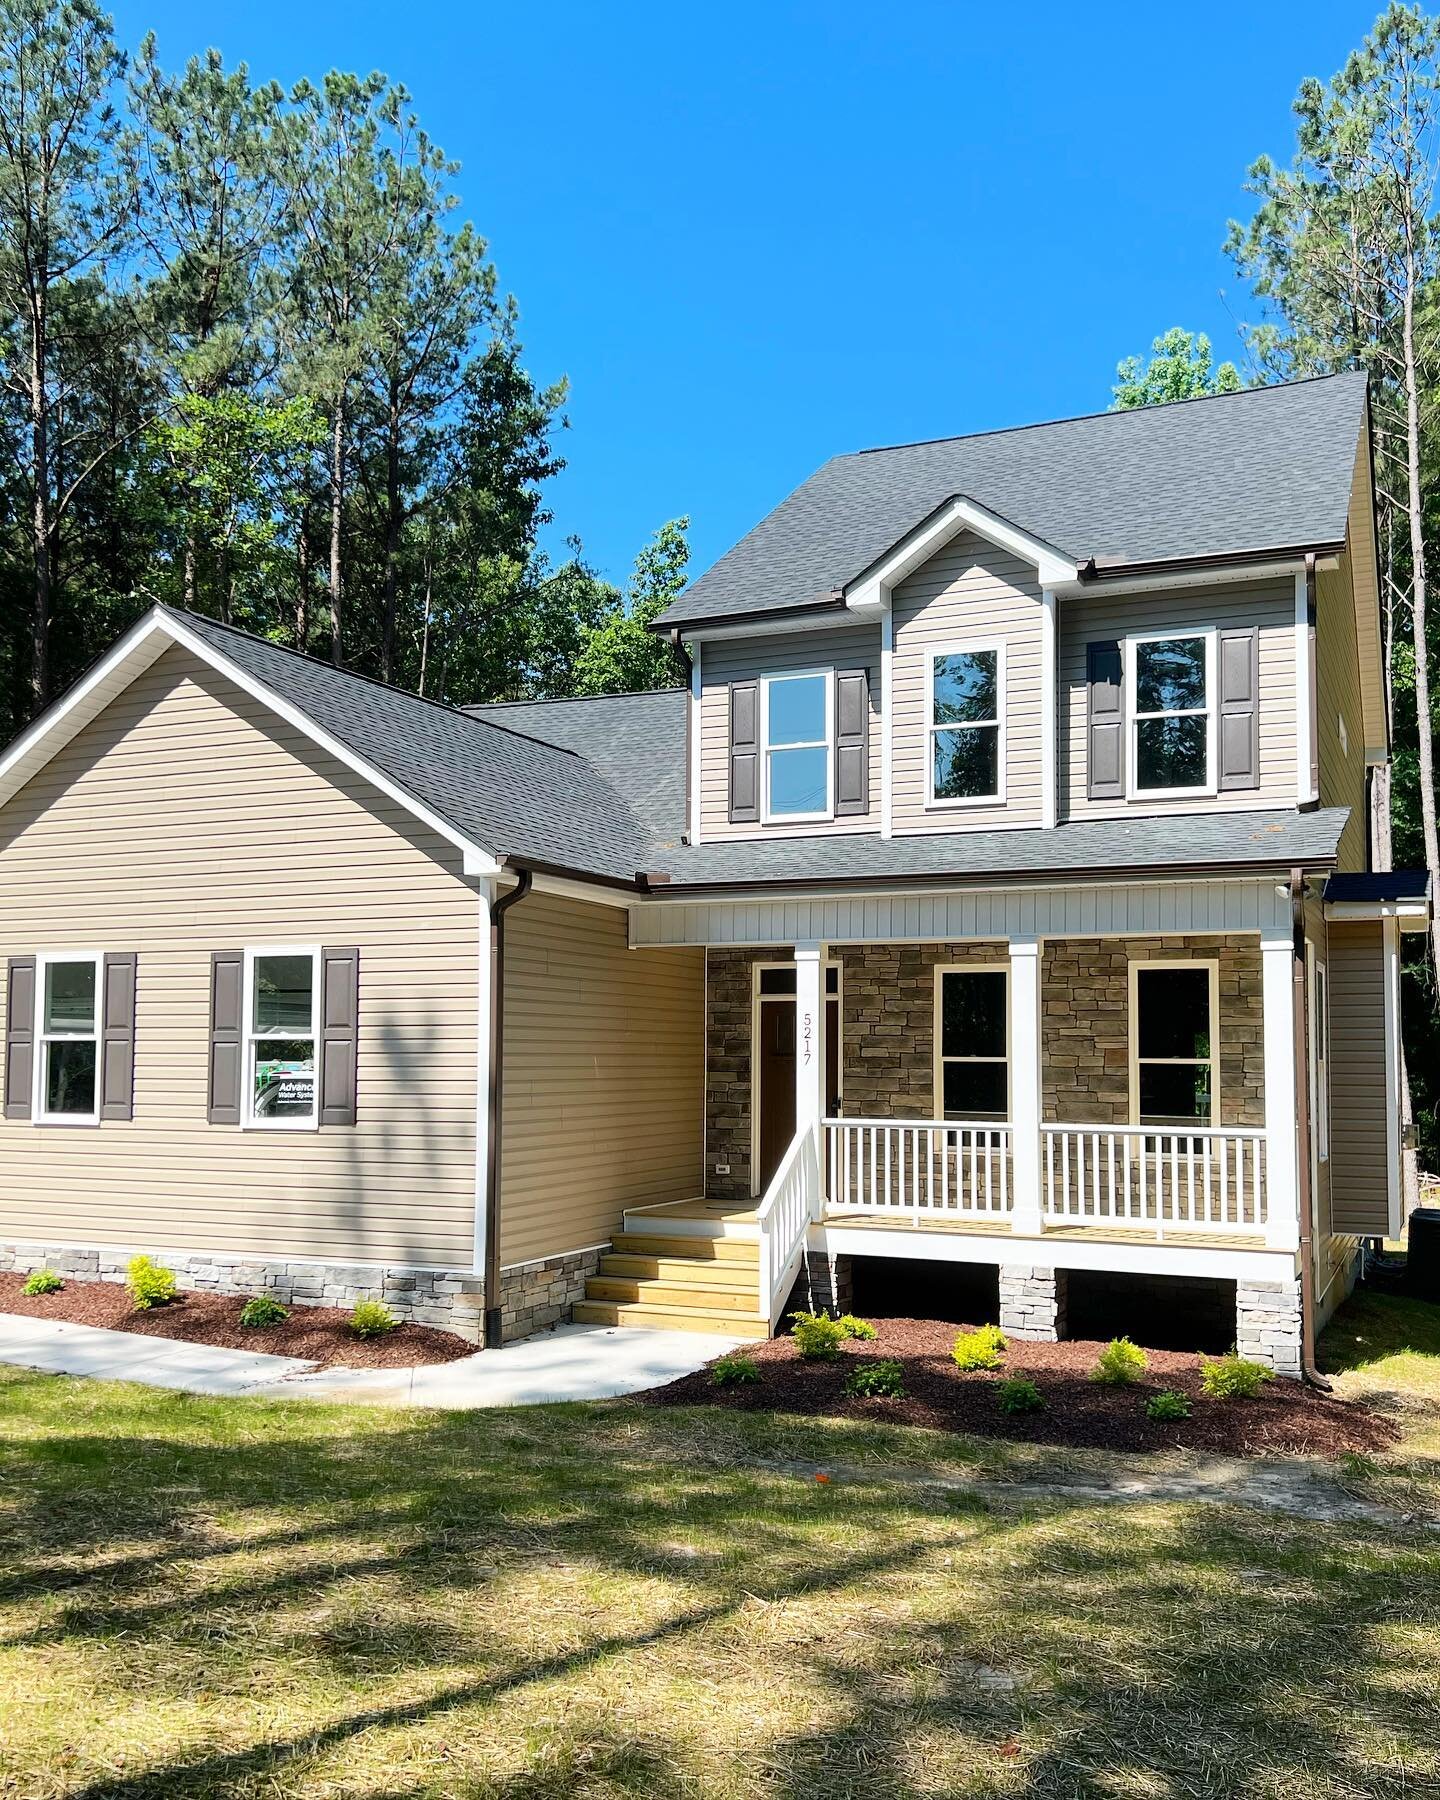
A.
pixel 784 1216
pixel 923 1169
pixel 1190 1178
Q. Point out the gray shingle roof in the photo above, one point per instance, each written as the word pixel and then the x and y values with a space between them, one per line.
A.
pixel 636 741
pixel 507 793
pixel 1126 846
pixel 1269 468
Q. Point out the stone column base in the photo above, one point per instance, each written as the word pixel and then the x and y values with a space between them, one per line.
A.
pixel 1032 1302
pixel 1267 1324
pixel 829 1282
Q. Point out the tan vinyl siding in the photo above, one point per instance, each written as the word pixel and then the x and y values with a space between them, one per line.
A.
pixel 1337 683
pixel 184 819
pixel 604 1073
pixel 1268 605
pixel 1358 1150
pixel 971 592
pixel 747 659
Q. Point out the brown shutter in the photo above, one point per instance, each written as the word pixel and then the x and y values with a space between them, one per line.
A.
pixel 1105 722
pixel 19 1036
pixel 744 752
pixel 227 992
pixel 852 742
pixel 117 1036
pixel 339 1034
pixel 1239 732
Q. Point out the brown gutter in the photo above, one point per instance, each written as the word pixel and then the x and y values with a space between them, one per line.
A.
pixel 494 1103
pixel 1098 569
pixel 1304 1194
pixel 834 601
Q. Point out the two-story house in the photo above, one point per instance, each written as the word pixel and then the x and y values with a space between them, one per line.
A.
pixel 997 894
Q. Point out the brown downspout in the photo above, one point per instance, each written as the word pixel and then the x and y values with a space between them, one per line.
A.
pixel 687 664
pixel 1302 1117
pixel 493 1309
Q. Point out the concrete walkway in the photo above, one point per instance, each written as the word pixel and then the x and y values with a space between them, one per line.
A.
pixel 573 1362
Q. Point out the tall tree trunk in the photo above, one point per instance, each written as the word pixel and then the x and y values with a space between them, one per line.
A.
pixel 1415 507
pixel 337 500
pixel 190 567
pixel 425 628
pixel 40 511
pixel 392 534
pixel 302 582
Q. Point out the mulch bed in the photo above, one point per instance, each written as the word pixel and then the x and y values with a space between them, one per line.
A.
pixel 317 1333
pixel 1286 1418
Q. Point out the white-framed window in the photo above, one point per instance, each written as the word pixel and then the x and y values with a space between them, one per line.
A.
pixel 1174 1042
pixel 965 708
pixel 797 726
pixel 1170 685
pixel 972 1041
pixel 281 998
pixel 68 1002
pixel 1320 1055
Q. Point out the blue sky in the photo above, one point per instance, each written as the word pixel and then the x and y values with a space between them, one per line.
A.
pixel 753 236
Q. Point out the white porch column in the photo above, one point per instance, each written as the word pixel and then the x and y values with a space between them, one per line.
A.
pixel 809 1034
pixel 1025 1085
pixel 1282 1169
pixel 483 1046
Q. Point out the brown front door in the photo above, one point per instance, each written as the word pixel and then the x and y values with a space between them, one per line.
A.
pixel 776 1073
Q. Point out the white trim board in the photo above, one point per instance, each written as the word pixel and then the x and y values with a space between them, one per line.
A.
pixel 871 591
pixel 140 647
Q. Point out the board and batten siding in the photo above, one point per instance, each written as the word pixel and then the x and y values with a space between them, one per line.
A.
pixel 1340 728
pixel 1359 1157
pixel 726 660
pixel 971 592
pixel 1268 605
pixel 187 818
pixel 604 1076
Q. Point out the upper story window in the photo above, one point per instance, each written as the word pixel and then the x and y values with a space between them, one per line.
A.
pixel 67 1037
pixel 966 730
pixel 1172 683
pixel 280 1002
pixel 797 722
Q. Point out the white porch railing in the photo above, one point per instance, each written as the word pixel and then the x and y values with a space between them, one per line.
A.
pixel 1192 1180
pixel 793 1199
pixel 923 1170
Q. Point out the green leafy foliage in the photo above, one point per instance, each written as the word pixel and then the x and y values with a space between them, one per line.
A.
pixel 1167 1404
pixel 371 1318
pixel 1120 1363
pixel 261 1311
pixel 1232 1377
pixel 818 1337
pixel 980 1349
pixel 149 1283
pixel 734 1370
pixel 877 1378
pixel 42 1281
pixel 1018 1394
pixel 1181 367
pixel 860 1329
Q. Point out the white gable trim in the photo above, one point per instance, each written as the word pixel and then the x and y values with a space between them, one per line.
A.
pixel 132 656
pixel 871 593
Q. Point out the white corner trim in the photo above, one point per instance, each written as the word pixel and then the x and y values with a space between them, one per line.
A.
pixel 484 984
pixel 872 591
pixel 1049 711
pixel 887 742
pixel 1304 724
pixel 697 715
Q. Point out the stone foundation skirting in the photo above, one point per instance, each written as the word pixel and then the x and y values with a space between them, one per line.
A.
pixel 826 1282
pixel 533 1295
pixel 1267 1324
pixel 1032 1302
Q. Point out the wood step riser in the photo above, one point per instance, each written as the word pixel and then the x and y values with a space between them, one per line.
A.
pixel 736 1278
pixel 611 1312
pixel 671 1293
pixel 732 1250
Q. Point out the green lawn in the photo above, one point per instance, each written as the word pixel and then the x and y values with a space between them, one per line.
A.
pixel 251 1599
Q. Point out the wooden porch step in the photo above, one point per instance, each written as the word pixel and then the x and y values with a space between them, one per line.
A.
pixel 739 1301
pixel 732 1277
pixel 668 1318
pixel 740 1251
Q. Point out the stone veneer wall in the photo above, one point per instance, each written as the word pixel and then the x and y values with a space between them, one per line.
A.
pixel 888 1022
pixel 532 1296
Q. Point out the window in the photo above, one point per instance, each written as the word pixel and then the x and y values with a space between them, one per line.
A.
pixel 966 751
pixel 1171 682
pixel 67 1036
pixel 797 713
pixel 1173 1008
pixel 280 992
pixel 972 1071
pixel 1320 1061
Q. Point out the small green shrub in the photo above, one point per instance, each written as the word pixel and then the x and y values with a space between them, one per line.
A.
pixel 261 1311
pixel 980 1349
pixel 731 1370
pixel 1167 1404
pixel 817 1336
pixel 372 1318
pixel 1018 1394
pixel 878 1378
pixel 149 1283
pixel 1232 1377
pixel 1120 1363
pixel 43 1281
pixel 860 1329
